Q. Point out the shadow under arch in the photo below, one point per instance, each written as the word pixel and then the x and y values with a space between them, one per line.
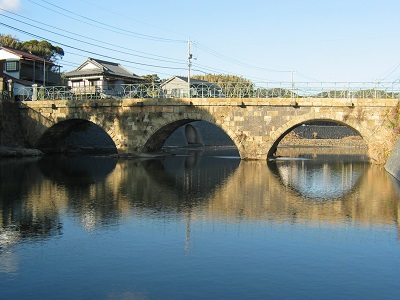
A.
pixel 76 170
pixel 191 183
pixel 281 132
pixel 157 138
pixel 76 135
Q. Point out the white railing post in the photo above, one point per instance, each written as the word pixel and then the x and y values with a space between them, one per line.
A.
pixel 34 92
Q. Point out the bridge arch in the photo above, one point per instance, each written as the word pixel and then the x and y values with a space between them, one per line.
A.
pixel 277 135
pixel 77 134
pixel 154 139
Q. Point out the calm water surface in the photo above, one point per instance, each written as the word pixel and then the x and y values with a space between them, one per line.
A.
pixel 199 226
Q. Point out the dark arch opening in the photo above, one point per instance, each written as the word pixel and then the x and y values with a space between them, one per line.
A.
pixel 318 133
pixel 76 136
pixel 191 134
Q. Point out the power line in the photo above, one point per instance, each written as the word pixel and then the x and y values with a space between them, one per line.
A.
pixel 89 38
pixel 92 44
pixel 394 70
pixel 127 64
pixel 203 47
pixel 87 51
pixel 107 26
pixel 108 10
pixel 238 62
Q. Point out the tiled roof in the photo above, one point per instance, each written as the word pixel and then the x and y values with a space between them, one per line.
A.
pixel 16 80
pixel 104 68
pixel 24 55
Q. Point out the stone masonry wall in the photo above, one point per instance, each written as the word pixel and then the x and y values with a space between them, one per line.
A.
pixel 10 129
pixel 254 125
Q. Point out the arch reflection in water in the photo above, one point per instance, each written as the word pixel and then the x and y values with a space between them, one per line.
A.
pixel 319 179
pixel 189 177
pixel 79 169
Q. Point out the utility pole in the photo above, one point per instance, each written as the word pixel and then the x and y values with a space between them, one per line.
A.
pixel 189 65
pixel 44 72
pixel 292 84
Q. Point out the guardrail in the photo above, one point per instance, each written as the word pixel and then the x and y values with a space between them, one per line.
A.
pixel 217 90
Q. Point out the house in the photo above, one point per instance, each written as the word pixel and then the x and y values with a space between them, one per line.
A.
pixel 177 87
pixel 25 69
pixel 97 76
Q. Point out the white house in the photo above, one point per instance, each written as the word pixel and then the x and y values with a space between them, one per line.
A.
pixel 177 87
pixel 99 76
pixel 25 69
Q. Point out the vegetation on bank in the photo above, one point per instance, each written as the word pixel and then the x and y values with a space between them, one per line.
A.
pixel 18 152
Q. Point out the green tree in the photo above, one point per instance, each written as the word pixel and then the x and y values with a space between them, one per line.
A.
pixel 231 85
pixel 7 40
pixel 152 78
pixel 43 49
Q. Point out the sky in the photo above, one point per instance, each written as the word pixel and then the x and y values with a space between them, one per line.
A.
pixel 261 40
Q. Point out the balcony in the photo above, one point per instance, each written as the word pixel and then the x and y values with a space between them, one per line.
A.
pixel 36 75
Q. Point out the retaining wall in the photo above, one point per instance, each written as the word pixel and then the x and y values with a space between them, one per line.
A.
pixel 392 165
pixel 10 129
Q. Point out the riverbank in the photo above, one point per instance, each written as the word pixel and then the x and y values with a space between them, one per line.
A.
pixel 18 152
pixel 348 142
pixel 289 141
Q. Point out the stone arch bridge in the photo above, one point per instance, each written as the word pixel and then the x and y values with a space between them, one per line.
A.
pixel 256 125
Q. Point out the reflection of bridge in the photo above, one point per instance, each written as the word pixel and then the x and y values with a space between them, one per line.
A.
pixel 228 191
pixel 256 125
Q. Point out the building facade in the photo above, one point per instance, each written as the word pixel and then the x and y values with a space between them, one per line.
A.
pixel 97 76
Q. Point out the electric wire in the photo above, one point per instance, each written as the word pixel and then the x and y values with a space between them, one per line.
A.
pixel 387 76
pixel 201 46
pixel 96 40
pixel 227 58
pixel 104 25
pixel 86 51
pixel 200 68
pixel 128 64
pixel 108 10
pixel 89 43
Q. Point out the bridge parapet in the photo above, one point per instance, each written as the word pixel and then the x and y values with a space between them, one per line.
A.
pixel 324 90
pixel 231 102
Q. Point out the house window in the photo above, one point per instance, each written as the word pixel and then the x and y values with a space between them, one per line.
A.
pixel 12 66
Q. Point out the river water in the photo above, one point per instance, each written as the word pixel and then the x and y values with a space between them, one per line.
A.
pixel 199 225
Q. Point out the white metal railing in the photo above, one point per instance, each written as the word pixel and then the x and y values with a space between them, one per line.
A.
pixel 218 90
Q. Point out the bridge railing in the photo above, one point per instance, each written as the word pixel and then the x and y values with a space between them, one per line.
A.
pixel 217 90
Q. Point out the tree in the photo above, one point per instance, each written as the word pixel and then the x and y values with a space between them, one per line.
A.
pixel 43 49
pixel 231 85
pixel 152 78
pixel 7 40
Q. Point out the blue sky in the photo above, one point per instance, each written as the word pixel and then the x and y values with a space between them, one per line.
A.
pixel 262 40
